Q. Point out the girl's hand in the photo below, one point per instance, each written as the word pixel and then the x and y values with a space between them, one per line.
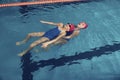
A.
pixel 42 21
pixel 44 45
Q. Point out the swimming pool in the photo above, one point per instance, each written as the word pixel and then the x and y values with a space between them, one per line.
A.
pixel 94 54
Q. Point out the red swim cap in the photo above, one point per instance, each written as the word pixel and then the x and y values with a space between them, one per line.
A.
pixel 72 27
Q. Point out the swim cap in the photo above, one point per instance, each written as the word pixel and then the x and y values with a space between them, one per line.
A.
pixel 72 27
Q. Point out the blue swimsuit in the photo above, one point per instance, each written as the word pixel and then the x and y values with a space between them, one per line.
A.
pixel 68 33
pixel 52 33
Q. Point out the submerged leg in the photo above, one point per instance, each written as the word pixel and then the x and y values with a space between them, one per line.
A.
pixel 61 41
pixel 33 45
pixel 35 34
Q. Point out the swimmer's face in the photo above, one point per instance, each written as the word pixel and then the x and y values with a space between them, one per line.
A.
pixel 81 25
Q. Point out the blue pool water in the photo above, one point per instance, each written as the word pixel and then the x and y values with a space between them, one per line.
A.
pixel 93 55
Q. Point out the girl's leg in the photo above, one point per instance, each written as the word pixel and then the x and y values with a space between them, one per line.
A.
pixel 35 34
pixel 61 41
pixel 33 45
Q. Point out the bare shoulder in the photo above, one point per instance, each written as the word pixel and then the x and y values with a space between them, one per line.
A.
pixel 76 32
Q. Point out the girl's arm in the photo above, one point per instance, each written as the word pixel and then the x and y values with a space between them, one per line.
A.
pixel 75 33
pixel 52 23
